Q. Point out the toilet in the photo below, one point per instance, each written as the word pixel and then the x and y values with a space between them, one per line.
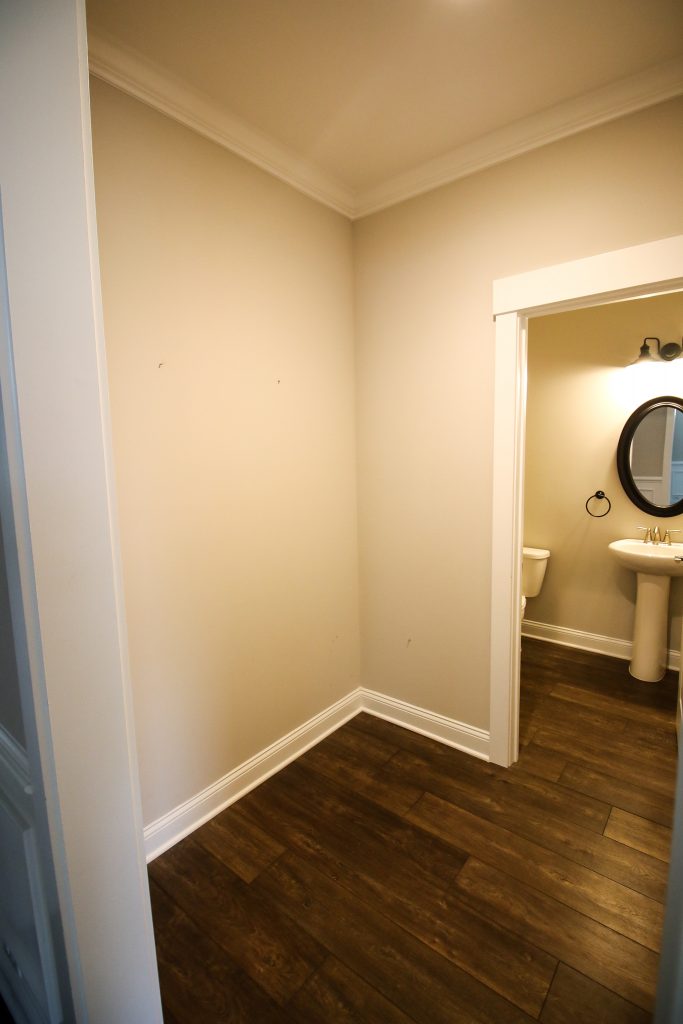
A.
pixel 534 564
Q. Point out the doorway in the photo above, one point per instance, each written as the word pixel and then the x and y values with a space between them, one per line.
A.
pixel 642 270
pixel 584 383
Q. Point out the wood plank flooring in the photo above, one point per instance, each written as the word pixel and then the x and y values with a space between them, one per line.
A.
pixel 383 878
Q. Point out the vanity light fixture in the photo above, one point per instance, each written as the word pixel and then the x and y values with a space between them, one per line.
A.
pixel 667 351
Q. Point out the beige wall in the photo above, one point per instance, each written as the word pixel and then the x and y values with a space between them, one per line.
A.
pixel 238 493
pixel 229 323
pixel 581 392
pixel 425 381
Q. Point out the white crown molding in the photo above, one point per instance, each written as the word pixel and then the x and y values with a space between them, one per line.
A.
pixel 626 96
pixel 136 75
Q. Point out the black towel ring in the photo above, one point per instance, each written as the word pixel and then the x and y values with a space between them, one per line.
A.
pixel 600 495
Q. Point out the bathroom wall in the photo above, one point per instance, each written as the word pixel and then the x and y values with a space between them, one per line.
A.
pixel 581 391
pixel 425 341
pixel 229 327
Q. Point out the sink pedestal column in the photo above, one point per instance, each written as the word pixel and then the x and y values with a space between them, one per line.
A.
pixel 648 655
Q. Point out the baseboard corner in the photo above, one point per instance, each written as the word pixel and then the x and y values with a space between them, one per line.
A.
pixel 168 830
pixel 179 822
pixel 468 738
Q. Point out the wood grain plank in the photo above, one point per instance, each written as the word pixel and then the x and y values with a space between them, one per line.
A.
pixel 623 760
pixel 598 681
pixel 338 760
pixel 543 763
pixel 639 833
pixel 500 804
pixel 543 654
pixel 572 718
pixel 626 701
pixel 389 732
pixel 602 954
pixel 426 987
pixel 198 982
pixel 544 662
pixel 625 737
pixel 240 843
pixel 637 799
pixel 498 789
pixel 421 901
pixel 576 886
pixel 363 747
pixel 576 999
pixel 364 822
pixel 275 953
pixel 335 995
pixel 587 715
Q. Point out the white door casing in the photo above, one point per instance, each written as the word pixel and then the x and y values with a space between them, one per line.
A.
pixel 34 976
pixel 648 269
pixel 77 636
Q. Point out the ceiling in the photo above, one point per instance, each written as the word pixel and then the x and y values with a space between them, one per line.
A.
pixel 365 102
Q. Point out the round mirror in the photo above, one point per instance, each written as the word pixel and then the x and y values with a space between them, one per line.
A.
pixel 650 457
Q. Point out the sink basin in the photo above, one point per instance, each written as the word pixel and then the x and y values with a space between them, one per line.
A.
pixel 654 565
pixel 657 559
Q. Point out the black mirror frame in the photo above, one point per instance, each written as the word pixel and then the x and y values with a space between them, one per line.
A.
pixel 624 458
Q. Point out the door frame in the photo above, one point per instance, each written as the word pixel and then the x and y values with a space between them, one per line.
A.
pixel 635 272
pixel 71 579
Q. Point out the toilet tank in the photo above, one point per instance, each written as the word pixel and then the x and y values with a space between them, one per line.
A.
pixel 534 564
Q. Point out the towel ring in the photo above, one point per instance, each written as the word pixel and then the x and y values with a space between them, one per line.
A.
pixel 600 495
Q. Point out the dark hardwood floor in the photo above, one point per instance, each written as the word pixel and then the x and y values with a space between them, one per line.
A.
pixel 384 878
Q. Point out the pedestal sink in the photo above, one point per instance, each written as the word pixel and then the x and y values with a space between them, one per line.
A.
pixel 654 565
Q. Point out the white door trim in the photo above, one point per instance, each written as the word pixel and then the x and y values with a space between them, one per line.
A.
pixel 76 625
pixel 506 541
pixel 634 272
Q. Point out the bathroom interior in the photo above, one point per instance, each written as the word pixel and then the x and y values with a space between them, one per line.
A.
pixel 585 380
pixel 302 412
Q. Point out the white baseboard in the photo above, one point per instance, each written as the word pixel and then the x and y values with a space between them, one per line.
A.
pixel 168 830
pixel 588 641
pixel 188 816
pixel 446 730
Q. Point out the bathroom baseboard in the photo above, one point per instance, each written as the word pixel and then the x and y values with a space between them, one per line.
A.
pixel 446 730
pixel 588 641
pixel 168 830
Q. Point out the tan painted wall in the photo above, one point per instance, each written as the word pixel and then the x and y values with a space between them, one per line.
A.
pixel 425 381
pixel 229 324
pixel 581 392
pixel 238 493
